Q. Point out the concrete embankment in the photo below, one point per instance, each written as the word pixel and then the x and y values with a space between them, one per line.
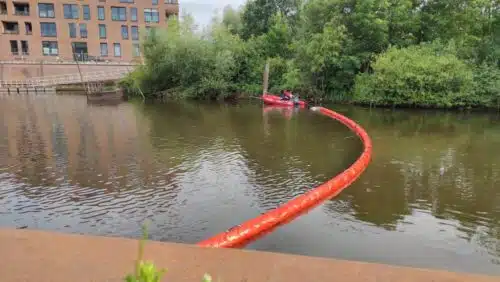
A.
pixel 46 256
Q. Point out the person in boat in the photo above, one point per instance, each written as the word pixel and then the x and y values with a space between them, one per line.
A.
pixel 282 95
pixel 286 95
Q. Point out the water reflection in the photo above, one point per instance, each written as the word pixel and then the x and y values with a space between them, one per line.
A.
pixel 104 169
pixel 429 198
pixel 441 162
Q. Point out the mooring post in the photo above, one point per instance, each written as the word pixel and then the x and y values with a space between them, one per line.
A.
pixel 266 78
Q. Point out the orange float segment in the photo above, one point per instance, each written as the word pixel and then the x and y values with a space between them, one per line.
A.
pixel 253 229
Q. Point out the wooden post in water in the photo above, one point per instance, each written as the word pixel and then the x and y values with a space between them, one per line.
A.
pixel 79 71
pixel 266 78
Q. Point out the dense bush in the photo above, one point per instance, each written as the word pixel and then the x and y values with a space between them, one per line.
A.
pixel 439 53
pixel 486 87
pixel 416 76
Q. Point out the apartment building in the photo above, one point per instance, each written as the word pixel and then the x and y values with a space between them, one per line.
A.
pixel 81 29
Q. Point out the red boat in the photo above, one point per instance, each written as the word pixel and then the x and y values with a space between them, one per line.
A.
pixel 276 101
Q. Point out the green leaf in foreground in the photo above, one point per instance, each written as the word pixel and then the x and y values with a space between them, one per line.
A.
pixel 146 271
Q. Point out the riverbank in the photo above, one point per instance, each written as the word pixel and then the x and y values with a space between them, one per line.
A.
pixel 30 255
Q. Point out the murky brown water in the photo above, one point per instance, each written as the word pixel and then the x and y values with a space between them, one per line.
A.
pixel 430 198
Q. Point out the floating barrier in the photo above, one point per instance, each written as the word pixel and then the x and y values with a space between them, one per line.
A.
pixel 251 230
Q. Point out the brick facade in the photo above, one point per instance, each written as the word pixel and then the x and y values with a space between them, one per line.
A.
pixel 21 23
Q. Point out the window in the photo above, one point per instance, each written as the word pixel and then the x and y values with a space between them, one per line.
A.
pixel 155 2
pixel 50 48
pixel 80 51
pixel 3 8
pixel 86 12
pixel 118 49
pixel 102 31
pixel 46 10
pixel 21 9
pixel 155 16
pixel 83 30
pixel 48 29
pixel 71 11
pixel 28 28
pixel 136 51
pixel 171 1
pixel 10 27
pixel 124 32
pixel 126 1
pixel 151 16
pixel 104 49
pixel 118 13
pixel 101 14
pixel 25 48
pixel 133 14
pixel 72 30
pixel 135 32
pixel 14 49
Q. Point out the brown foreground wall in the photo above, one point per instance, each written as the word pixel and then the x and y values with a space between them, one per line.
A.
pixel 45 256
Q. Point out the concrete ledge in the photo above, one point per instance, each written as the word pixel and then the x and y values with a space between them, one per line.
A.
pixel 45 256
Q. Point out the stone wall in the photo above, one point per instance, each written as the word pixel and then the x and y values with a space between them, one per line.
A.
pixel 22 71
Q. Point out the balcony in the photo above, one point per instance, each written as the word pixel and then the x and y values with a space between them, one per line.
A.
pixel 172 7
pixel 21 9
pixel 3 8
pixel 10 27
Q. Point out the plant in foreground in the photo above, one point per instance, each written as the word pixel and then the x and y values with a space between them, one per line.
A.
pixel 146 271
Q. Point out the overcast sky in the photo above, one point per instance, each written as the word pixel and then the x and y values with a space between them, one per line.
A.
pixel 203 11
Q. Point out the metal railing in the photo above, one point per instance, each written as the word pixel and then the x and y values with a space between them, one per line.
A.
pixel 71 78
pixel 21 13
pixel 11 31
pixel 67 62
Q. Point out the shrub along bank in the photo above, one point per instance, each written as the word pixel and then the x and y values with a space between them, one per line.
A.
pixel 433 53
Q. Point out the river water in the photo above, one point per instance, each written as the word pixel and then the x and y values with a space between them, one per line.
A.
pixel 430 198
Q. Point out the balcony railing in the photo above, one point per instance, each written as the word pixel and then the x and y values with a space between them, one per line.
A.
pixel 3 12
pixel 22 13
pixel 14 31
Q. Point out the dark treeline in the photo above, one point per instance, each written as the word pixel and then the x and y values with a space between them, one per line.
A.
pixel 425 53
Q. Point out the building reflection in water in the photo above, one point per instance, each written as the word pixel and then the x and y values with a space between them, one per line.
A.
pixel 58 150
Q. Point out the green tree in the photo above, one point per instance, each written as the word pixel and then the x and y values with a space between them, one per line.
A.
pixel 231 19
pixel 318 59
pixel 326 49
pixel 258 14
